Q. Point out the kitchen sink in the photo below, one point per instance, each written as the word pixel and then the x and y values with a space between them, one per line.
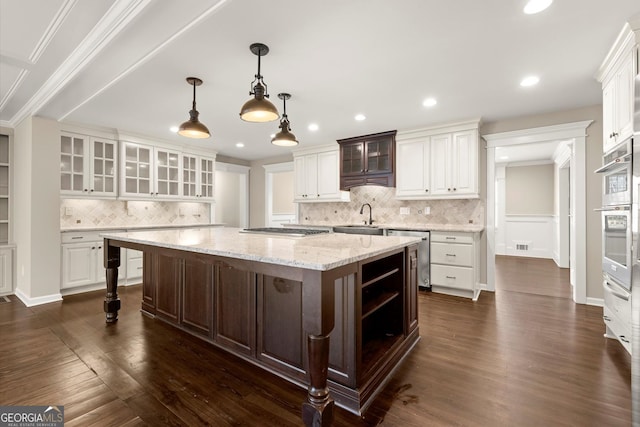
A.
pixel 359 229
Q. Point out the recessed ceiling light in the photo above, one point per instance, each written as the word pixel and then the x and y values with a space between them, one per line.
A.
pixel 239 145
pixel 360 117
pixel 313 127
pixel 535 6
pixel 429 102
pixel 174 129
pixel 529 81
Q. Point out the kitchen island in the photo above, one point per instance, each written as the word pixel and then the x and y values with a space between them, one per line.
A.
pixel 333 312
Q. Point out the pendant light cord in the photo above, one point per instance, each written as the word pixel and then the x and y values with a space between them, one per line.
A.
pixel 194 96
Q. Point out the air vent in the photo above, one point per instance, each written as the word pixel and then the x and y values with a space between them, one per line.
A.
pixel 522 247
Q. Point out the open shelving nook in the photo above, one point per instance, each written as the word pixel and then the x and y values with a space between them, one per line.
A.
pixel 382 315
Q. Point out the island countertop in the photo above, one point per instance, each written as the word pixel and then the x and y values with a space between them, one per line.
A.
pixel 318 252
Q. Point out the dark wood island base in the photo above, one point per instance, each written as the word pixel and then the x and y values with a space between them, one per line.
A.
pixel 339 332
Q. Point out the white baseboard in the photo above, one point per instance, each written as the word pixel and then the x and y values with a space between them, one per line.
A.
pixel 598 302
pixel 30 302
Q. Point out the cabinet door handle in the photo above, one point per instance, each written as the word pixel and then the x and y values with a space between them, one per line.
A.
pixel 450 277
pixel 85 190
pixel 93 247
pixel 454 188
pixel 623 338
pixel 448 189
pixel 99 247
pixel 606 318
pixel 91 190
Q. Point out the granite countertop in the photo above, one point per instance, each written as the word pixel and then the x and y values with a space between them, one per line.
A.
pixel 317 252
pixel 469 228
pixel 136 227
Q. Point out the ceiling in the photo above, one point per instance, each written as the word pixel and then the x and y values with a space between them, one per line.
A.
pixel 122 64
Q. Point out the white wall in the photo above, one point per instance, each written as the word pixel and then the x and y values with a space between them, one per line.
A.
pixel 37 201
pixel 232 198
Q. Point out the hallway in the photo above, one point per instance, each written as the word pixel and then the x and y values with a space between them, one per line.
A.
pixel 537 276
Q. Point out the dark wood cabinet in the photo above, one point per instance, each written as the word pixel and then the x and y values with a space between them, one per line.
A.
pixel 235 295
pixel 368 160
pixel 197 297
pixel 265 313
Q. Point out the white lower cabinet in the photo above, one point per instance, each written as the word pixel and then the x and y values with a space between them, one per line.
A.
pixel 83 260
pixel 616 313
pixel 134 265
pixel 455 262
pixel 6 270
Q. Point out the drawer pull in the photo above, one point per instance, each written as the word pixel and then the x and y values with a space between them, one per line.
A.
pixel 450 277
pixel 77 238
pixel 450 254
pixel 606 318
pixel 450 238
pixel 624 339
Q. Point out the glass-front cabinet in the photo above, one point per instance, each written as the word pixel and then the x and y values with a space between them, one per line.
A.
pixel 367 160
pixel 198 175
pixel 88 166
pixel 4 189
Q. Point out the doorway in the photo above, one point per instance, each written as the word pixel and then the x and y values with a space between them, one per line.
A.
pixel 279 194
pixel 232 195
pixel 576 153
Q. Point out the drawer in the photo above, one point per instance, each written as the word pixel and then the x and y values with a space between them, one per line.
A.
pixel 451 237
pixel 84 236
pixel 452 277
pixel 617 305
pixel 618 328
pixel 134 268
pixel 446 253
pixel 132 254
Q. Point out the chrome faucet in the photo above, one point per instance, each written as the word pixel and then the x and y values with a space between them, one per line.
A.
pixel 362 211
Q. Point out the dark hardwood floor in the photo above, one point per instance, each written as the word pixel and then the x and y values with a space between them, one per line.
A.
pixel 513 358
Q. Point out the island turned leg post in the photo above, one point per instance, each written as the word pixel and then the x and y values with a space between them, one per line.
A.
pixel 318 309
pixel 111 264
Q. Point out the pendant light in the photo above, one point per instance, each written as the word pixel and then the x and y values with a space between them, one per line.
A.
pixel 192 128
pixel 284 138
pixel 259 109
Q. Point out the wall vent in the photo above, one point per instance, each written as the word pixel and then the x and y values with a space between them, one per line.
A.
pixel 522 247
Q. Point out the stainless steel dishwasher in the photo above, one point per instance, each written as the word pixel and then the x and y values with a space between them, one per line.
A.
pixel 423 254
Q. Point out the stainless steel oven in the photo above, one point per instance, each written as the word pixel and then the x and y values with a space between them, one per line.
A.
pixel 616 244
pixel 617 172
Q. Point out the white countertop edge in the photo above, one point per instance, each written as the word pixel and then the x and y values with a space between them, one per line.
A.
pixel 268 260
pixel 135 227
pixel 466 228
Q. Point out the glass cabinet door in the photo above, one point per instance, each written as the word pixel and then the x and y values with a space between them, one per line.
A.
pixel 72 154
pixel 207 174
pixel 167 173
pixel 104 167
pixel 137 169
pixel 189 176
pixel 378 156
pixel 352 159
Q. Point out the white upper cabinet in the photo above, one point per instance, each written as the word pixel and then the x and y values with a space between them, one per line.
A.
pixel 149 172
pixel 317 175
pixel 88 166
pixel 413 171
pixel 617 75
pixel 438 163
pixel 198 175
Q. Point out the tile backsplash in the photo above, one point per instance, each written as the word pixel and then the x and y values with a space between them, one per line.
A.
pixel 81 213
pixel 386 209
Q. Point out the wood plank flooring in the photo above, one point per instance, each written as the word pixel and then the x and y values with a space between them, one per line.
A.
pixel 513 358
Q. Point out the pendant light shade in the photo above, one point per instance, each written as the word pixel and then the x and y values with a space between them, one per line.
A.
pixel 284 138
pixel 259 108
pixel 192 128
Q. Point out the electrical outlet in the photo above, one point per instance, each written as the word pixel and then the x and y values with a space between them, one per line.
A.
pixel 68 211
pixel 427 210
pixel 405 211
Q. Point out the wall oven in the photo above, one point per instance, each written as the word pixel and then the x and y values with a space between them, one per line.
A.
pixel 617 172
pixel 616 244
